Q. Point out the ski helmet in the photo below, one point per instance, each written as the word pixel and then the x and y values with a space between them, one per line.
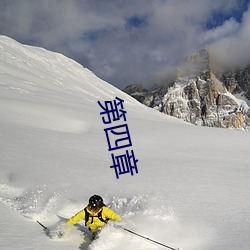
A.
pixel 96 202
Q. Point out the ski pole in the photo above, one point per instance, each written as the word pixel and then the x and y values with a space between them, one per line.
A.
pixel 159 243
pixel 45 228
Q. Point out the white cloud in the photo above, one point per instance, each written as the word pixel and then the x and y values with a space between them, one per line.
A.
pixel 233 50
pixel 97 32
pixel 228 28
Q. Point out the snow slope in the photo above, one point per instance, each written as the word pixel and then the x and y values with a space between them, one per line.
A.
pixel 193 183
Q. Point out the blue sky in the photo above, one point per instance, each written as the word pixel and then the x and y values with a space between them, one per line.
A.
pixel 218 17
pixel 131 41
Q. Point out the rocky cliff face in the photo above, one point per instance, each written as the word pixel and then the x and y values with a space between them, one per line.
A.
pixel 237 81
pixel 199 96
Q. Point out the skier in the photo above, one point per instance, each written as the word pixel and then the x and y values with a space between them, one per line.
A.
pixel 95 214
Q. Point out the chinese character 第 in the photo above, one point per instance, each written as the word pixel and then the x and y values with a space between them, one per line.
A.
pixel 112 112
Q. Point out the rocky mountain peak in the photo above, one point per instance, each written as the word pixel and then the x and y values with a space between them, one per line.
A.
pixel 200 96
pixel 196 64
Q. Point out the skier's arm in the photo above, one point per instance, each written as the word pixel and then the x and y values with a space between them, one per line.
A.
pixel 77 217
pixel 110 214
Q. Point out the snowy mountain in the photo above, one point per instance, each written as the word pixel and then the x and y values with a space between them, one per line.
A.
pixel 201 95
pixel 191 189
pixel 237 81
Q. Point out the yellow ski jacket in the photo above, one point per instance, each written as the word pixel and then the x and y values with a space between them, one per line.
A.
pixel 94 223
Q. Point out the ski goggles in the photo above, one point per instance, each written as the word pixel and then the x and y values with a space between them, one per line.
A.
pixel 94 208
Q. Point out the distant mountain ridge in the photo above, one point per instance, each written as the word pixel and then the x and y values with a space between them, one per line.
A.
pixel 200 95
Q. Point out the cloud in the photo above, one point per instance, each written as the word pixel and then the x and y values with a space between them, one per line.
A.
pixel 228 28
pixel 121 41
pixel 233 49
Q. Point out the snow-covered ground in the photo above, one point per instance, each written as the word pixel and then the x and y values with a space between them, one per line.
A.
pixel 193 184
